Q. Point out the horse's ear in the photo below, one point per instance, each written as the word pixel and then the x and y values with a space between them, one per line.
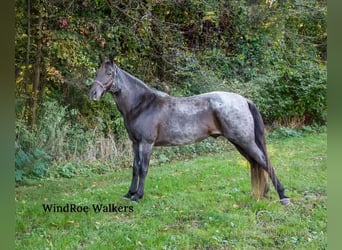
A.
pixel 101 59
pixel 111 58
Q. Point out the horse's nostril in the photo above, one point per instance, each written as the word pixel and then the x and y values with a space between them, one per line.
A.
pixel 93 95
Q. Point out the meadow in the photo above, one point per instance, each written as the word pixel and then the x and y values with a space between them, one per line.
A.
pixel 199 203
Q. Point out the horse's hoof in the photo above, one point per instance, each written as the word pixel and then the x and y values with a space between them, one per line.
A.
pixel 136 198
pixel 285 201
pixel 126 198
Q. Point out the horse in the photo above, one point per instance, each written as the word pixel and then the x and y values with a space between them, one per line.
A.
pixel 154 118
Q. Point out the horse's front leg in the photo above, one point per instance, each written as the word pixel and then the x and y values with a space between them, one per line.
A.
pixel 145 152
pixel 134 184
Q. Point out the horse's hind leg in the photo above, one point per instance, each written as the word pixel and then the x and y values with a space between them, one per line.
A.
pixel 259 177
pixel 255 156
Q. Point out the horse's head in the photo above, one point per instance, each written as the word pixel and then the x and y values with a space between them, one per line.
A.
pixel 104 80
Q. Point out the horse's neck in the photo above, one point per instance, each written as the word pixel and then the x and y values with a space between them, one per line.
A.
pixel 133 92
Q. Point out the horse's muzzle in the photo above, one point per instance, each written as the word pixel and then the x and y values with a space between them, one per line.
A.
pixel 95 95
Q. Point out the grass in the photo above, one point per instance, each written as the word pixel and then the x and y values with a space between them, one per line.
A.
pixel 203 203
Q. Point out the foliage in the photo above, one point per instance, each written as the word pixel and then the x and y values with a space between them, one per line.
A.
pixel 298 92
pixel 273 52
pixel 34 163
pixel 56 139
pixel 194 204
pixel 286 132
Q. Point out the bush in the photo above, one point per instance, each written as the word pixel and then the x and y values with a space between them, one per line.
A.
pixel 295 94
pixel 286 132
pixel 196 78
pixel 53 128
pixel 34 163
pixel 58 140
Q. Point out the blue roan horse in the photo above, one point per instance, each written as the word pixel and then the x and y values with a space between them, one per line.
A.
pixel 153 118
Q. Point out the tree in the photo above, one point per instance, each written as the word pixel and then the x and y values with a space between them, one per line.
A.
pixel 273 52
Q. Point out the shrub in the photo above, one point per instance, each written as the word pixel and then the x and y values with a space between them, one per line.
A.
pixel 296 92
pixel 33 163
pixel 58 140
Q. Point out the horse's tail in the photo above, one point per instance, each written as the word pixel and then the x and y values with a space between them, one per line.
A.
pixel 259 177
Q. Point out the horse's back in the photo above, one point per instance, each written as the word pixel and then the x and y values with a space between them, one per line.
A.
pixel 215 99
pixel 229 99
pixel 225 105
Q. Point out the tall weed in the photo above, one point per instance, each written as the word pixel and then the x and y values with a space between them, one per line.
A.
pixel 58 142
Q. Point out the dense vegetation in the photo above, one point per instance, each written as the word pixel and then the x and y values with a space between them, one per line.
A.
pixel 273 52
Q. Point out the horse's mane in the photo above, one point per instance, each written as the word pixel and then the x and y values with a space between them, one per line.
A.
pixel 140 83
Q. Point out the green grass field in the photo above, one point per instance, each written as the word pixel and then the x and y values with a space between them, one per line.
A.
pixel 204 203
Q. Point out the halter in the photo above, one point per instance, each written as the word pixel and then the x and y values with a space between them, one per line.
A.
pixel 114 89
pixel 105 85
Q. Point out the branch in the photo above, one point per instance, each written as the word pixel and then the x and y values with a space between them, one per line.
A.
pixel 311 8
pixel 112 5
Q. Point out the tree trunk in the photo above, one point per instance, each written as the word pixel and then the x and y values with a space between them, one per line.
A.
pixel 26 109
pixel 27 61
pixel 36 76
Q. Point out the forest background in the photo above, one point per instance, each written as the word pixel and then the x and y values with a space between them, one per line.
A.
pixel 273 52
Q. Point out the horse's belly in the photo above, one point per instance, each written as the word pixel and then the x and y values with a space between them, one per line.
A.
pixel 186 130
pixel 180 138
